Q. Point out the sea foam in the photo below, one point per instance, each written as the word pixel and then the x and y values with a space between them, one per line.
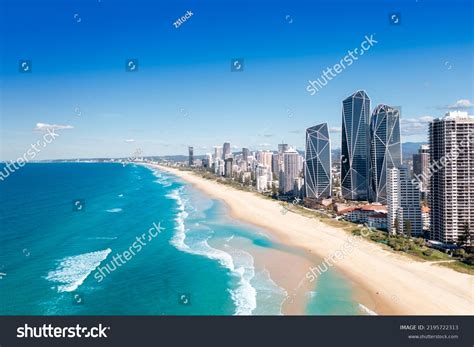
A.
pixel 241 265
pixel 72 271
pixel 367 310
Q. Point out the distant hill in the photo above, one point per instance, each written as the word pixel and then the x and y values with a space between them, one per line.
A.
pixel 410 148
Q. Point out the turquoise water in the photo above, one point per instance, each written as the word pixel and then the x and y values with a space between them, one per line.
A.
pixel 199 261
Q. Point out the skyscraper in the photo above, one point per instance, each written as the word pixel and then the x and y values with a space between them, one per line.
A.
pixel 276 163
pixel 245 154
pixel 229 162
pixel 226 150
pixel 403 202
pixel 317 174
pixel 282 147
pixel 290 171
pixel 218 152
pixel 420 167
pixel 355 152
pixel 385 149
pixel 265 158
pixel 191 156
pixel 451 167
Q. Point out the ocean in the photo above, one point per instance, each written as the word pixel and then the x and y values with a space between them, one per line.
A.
pixel 108 239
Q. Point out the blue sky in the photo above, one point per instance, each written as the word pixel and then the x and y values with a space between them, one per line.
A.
pixel 184 92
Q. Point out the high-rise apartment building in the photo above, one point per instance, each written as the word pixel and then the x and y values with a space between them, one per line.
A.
pixel 290 171
pixel 226 150
pixel 218 152
pixel 282 147
pixel 451 195
pixel 276 163
pixel 403 203
pixel 245 154
pixel 229 162
pixel 421 162
pixel 191 156
pixel 265 158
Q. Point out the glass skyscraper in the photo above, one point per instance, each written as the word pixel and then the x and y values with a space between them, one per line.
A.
pixel 317 173
pixel 226 150
pixel 355 145
pixel 385 147
pixel 191 156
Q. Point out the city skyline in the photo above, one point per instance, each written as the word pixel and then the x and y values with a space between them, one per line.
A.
pixel 104 110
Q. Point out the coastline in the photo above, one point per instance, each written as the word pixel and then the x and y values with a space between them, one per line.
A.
pixel 384 282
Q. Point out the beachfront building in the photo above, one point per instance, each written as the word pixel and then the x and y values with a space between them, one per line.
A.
pixel 451 195
pixel 245 154
pixel 263 178
pixel 276 163
pixel 265 158
pixel 217 152
pixel 290 171
pixel 282 147
pixel 421 161
pixel 403 203
pixel 361 214
pixel 207 161
pixel 298 187
pixel 385 149
pixel 317 166
pixel 377 221
pixel 228 168
pixel 425 218
pixel 219 167
pixel 191 156
pixel 355 147
pixel 225 150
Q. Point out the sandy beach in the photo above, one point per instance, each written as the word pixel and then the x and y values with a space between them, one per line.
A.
pixel 386 282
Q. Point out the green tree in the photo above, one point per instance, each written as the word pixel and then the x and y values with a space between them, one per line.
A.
pixel 465 240
pixel 248 181
pixel 395 225
pixel 274 190
pixel 407 227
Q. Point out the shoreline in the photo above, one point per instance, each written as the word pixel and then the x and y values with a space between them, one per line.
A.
pixel 385 282
pixel 272 260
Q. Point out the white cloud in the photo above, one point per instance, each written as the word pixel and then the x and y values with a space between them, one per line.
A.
pixel 45 127
pixel 461 104
pixel 264 144
pixel 130 140
pixel 335 129
pixel 426 119
pixel 415 126
pixel 265 133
